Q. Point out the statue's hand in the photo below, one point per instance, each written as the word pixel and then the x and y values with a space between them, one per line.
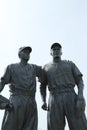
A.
pixel 3 105
pixel 9 107
pixel 6 106
pixel 80 106
pixel 44 107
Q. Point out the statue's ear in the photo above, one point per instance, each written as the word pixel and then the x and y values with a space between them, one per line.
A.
pixel 51 52
pixel 19 54
pixel 61 53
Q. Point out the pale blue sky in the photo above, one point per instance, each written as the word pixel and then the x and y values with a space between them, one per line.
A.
pixel 39 23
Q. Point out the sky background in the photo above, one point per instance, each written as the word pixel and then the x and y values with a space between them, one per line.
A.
pixel 39 23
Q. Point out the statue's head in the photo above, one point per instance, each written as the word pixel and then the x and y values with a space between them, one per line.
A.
pixel 56 50
pixel 24 52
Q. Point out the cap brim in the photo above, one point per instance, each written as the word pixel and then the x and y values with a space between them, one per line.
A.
pixel 28 48
pixel 56 44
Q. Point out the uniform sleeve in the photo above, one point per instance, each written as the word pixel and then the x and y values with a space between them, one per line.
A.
pixel 38 72
pixel 76 73
pixel 41 74
pixel 43 85
pixel 44 76
pixel 7 76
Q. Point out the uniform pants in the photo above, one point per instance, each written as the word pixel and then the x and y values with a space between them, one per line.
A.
pixel 61 106
pixel 23 116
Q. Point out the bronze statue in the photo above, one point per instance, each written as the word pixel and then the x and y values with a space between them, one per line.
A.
pixel 21 78
pixel 61 77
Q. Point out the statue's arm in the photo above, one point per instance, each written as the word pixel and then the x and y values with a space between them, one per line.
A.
pixel 5 79
pixel 2 84
pixel 43 92
pixel 80 104
pixel 80 86
pixel 43 96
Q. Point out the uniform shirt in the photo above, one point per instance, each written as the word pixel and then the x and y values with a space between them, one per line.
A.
pixel 61 75
pixel 22 77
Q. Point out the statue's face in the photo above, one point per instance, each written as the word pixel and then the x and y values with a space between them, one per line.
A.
pixel 56 52
pixel 25 54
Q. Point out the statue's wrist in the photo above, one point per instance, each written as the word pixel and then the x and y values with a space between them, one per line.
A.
pixel 80 97
pixel 44 100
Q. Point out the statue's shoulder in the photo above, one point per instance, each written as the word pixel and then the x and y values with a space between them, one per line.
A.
pixel 34 66
pixel 67 61
pixel 13 66
pixel 47 65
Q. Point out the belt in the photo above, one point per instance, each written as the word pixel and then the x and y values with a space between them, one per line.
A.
pixel 56 91
pixel 24 93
